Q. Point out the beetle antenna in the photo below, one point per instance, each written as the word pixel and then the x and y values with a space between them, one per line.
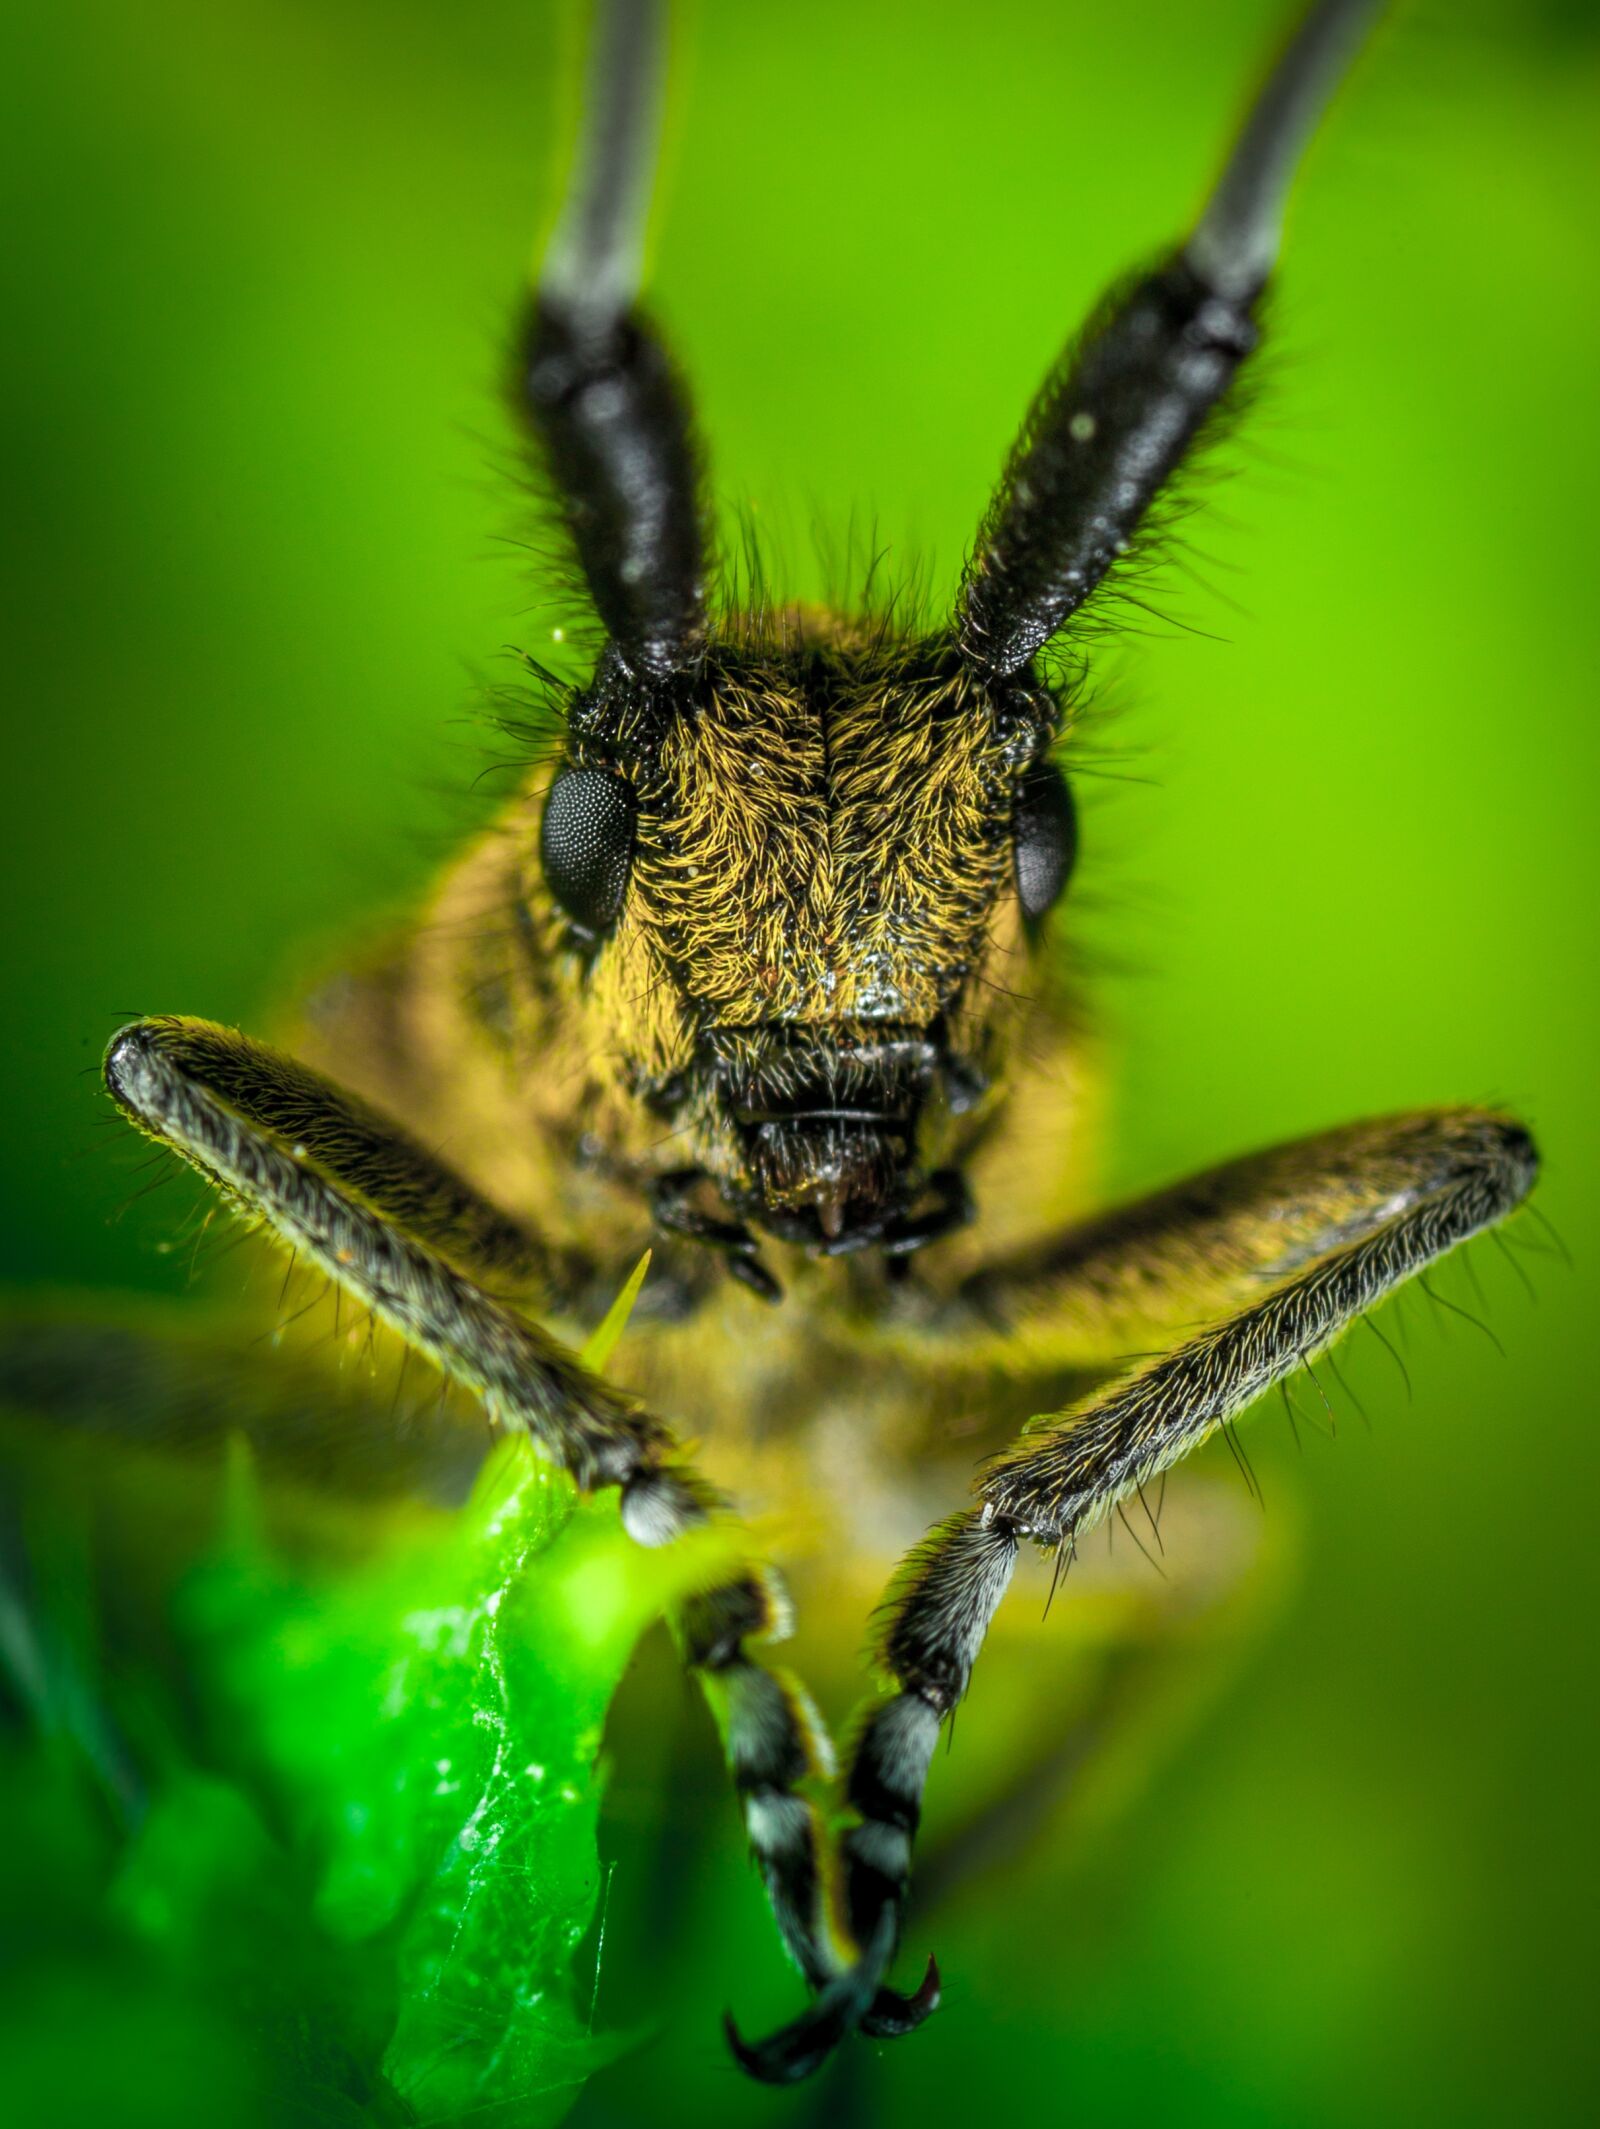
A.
pixel 1235 243
pixel 1148 379
pixel 609 418
pixel 594 262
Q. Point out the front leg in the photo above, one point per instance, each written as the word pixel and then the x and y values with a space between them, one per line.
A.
pixel 348 1191
pixel 1275 1256
pixel 344 1186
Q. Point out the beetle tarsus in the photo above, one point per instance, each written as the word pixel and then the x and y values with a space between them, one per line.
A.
pixel 799 2049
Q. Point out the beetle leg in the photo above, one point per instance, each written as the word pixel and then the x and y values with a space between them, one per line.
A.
pixel 1283 1252
pixel 349 1192
pixel 178 1383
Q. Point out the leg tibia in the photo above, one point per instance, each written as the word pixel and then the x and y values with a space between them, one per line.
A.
pixel 1137 1278
pixel 329 1128
pixel 290 1149
pixel 1304 1240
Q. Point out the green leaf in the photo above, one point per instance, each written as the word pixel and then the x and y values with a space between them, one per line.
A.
pixel 367 1844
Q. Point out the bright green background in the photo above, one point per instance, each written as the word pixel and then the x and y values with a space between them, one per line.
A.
pixel 262 257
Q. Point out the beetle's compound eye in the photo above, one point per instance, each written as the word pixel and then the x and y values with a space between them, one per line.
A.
pixel 1044 837
pixel 586 846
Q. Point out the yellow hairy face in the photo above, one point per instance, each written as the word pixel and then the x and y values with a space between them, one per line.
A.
pixel 813 856
pixel 814 961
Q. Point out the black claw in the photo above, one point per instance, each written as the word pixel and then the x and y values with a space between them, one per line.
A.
pixel 892 2016
pixel 796 2050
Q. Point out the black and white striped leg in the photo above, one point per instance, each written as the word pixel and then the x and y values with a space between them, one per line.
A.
pixel 772 1735
pixel 940 1611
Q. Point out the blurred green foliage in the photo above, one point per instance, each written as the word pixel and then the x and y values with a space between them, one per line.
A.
pixel 260 255
pixel 337 1814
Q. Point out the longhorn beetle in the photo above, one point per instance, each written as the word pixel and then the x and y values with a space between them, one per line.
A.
pixel 760 979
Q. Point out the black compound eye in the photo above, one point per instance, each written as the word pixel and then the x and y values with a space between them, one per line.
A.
pixel 1044 834
pixel 586 845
